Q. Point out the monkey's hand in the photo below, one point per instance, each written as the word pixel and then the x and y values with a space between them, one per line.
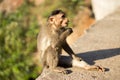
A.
pixel 69 30
pixel 65 34
pixel 62 29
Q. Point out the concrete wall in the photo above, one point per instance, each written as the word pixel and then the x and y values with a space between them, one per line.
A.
pixel 102 8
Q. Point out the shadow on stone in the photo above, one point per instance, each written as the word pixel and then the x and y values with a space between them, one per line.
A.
pixel 91 56
pixel 107 69
pixel 69 71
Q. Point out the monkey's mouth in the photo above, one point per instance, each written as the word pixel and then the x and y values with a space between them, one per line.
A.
pixel 66 23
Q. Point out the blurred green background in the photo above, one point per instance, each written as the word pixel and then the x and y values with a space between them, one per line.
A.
pixel 19 27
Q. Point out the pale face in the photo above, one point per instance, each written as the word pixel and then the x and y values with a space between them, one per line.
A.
pixel 59 20
pixel 63 21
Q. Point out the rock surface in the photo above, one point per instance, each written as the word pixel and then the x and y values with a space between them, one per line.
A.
pixel 100 45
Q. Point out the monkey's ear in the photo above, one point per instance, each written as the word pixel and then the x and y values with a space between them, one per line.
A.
pixel 51 20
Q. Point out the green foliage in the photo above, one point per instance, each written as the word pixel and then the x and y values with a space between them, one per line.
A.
pixel 18 33
pixel 69 6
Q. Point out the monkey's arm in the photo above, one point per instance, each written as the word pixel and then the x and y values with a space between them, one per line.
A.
pixel 67 48
pixel 65 33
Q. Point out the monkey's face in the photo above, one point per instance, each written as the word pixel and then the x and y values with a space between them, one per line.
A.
pixel 59 20
pixel 63 20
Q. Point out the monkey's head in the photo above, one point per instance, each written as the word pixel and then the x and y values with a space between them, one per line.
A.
pixel 58 19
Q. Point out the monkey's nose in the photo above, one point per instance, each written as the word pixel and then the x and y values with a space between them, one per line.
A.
pixel 67 22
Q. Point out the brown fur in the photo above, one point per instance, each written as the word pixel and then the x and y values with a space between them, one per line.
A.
pixel 52 39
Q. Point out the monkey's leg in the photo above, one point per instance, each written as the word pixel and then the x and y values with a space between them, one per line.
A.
pixel 84 65
pixel 52 61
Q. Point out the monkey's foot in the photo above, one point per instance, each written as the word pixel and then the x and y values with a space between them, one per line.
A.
pixel 84 65
pixel 60 70
pixel 95 68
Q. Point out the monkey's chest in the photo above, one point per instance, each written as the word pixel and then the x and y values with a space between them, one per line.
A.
pixel 56 43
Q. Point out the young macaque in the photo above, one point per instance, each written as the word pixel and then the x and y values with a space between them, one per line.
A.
pixel 52 39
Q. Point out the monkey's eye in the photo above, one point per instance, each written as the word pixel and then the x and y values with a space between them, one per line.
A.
pixel 63 16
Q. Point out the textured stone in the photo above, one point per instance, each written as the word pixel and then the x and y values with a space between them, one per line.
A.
pixel 100 45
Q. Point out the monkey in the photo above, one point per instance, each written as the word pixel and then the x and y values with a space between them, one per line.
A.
pixel 52 39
